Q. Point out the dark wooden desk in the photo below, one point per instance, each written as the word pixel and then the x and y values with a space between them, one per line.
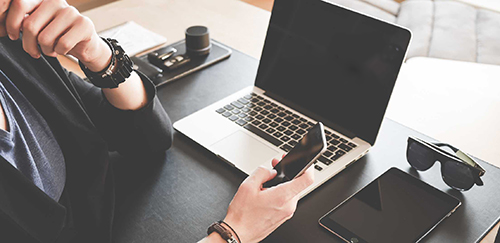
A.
pixel 177 198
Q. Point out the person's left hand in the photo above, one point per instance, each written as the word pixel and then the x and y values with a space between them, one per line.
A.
pixel 54 28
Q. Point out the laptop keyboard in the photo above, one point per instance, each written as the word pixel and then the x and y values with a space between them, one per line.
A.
pixel 280 126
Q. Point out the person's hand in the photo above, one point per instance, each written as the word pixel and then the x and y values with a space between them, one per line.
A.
pixel 56 27
pixel 255 212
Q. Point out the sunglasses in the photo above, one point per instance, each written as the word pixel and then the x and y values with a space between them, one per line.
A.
pixel 459 170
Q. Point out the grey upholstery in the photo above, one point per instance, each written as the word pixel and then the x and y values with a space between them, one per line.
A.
pixel 441 28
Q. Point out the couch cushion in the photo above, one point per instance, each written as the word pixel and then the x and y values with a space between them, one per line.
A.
pixel 488 37
pixel 451 30
pixel 366 8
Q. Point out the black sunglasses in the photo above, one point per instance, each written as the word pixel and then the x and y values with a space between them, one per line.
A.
pixel 459 170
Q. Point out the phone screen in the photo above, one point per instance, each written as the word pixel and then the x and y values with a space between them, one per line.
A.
pixel 301 156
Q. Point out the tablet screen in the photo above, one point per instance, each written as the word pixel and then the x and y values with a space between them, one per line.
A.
pixel 395 207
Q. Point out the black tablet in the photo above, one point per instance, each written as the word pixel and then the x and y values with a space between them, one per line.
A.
pixel 395 207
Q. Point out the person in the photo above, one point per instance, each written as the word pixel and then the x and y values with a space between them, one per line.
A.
pixel 56 181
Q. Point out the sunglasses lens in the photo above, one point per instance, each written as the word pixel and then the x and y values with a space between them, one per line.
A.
pixel 419 156
pixel 457 175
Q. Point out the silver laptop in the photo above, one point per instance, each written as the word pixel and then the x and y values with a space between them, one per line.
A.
pixel 320 62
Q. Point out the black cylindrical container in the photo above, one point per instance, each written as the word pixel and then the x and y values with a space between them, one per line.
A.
pixel 197 41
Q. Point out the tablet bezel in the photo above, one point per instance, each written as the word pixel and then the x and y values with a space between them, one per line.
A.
pixel 348 236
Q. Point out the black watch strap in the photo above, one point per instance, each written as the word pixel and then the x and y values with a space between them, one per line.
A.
pixel 118 70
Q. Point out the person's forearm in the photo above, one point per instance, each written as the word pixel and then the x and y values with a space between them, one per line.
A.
pixel 213 238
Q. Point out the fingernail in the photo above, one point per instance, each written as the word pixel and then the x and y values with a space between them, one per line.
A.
pixel 11 37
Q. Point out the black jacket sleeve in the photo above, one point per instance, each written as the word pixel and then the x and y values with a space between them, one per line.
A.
pixel 147 130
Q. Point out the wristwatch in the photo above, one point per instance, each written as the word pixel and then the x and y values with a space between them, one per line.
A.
pixel 222 231
pixel 118 70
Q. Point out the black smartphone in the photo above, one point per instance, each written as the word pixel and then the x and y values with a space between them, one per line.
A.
pixel 301 157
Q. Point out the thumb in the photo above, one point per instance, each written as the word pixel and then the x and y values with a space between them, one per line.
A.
pixel 261 175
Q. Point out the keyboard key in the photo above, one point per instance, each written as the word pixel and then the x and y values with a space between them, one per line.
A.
pixel 260 117
pixel 255 100
pixel 263 135
pixel 288 132
pixel 261 103
pixel 252 113
pixel 245 109
pixel 278 120
pixel 339 152
pixel 264 112
pixel 233 118
pixel 243 101
pixel 281 128
pixel 248 119
pixel 267 121
pixel 281 114
pixel 286 147
pixel 334 142
pixel 250 105
pixel 273 104
pixel 335 136
pixel 343 140
pixel 352 145
pixel 241 122
pixel 295 116
pixel 286 124
pixel 293 127
pixel 303 126
pixel 271 116
pixel 296 136
pixel 344 147
pixel 288 112
pixel 288 118
pixel 332 148
pixel 256 122
pixel 268 107
pixel 285 139
pixel 242 115
pixel 274 124
pixel 257 108
pixel 263 126
pixel 270 130
pixel 327 154
pixel 278 134
pixel 275 111
pixel 280 108
pixel 292 143
pixel 301 131
pixel 328 132
pixel 228 107
pixel 296 122
pixel 236 111
pixel 221 110
pixel 325 160
pixel 311 123
pixel 237 104
pixel 227 114
pixel 249 96
pixel 318 168
pixel 302 119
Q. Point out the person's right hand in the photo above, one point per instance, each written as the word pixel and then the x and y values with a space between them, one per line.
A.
pixel 255 212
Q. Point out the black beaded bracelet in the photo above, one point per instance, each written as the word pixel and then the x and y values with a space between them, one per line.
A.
pixel 236 234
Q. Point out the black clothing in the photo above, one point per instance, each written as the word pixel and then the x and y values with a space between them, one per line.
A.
pixel 86 126
pixel 29 144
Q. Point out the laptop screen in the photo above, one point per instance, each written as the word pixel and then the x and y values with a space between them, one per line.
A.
pixel 332 64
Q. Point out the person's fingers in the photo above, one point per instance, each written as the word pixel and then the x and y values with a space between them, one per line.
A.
pixel 261 175
pixel 274 162
pixel 34 24
pixel 15 16
pixel 58 27
pixel 288 190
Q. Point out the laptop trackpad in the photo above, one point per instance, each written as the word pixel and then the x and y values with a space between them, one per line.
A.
pixel 245 152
